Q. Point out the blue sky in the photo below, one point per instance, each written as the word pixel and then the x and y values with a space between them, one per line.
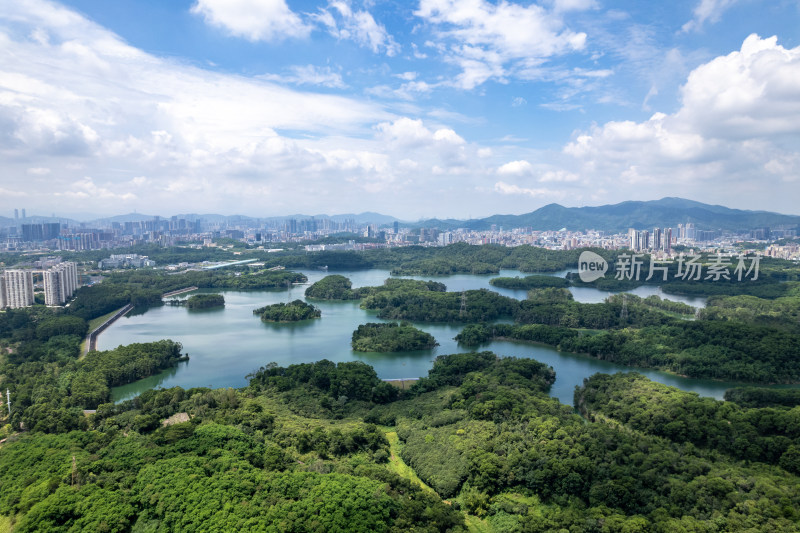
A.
pixel 415 109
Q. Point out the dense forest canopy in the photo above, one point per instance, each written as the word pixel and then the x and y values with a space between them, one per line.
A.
pixel 292 312
pixel 390 337
pixel 299 449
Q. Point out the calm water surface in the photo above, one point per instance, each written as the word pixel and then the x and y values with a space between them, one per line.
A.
pixel 226 344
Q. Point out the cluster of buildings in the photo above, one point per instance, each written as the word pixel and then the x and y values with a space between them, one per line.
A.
pixel 59 282
pixel 39 234
pixel 658 241
pixel 126 260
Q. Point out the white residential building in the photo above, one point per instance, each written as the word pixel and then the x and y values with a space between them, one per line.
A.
pixel 60 283
pixel 18 288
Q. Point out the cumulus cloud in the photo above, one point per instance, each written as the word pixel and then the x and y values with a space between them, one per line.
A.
pixel 492 41
pixel 739 117
pixel 254 20
pixel 412 132
pixel 344 23
pixel 515 168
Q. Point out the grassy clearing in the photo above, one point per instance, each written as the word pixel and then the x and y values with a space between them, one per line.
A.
pixel 402 384
pixel 477 525
pixel 6 526
pixel 398 466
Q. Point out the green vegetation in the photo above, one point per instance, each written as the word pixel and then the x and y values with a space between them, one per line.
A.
pixel 698 349
pixel 291 312
pixel 242 462
pixel 529 282
pixel 50 386
pixel 203 301
pixel 482 432
pixel 770 435
pixel 334 287
pixel 434 306
pixel 390 337
pixel 298 449
pixel 763 397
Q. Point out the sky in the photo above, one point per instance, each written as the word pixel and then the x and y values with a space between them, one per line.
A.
pixel 415 109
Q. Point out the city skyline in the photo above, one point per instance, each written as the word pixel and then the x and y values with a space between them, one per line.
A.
pixel 436 109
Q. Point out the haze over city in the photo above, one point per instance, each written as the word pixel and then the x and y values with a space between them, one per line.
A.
pixel 418 110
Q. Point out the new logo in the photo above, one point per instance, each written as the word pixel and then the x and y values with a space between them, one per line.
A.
pixel 591 266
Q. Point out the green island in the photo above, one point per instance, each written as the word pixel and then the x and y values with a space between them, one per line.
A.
pixel 390 337
pixel 200 301
pixel 333 287
pixel 529 282
pixel 292 312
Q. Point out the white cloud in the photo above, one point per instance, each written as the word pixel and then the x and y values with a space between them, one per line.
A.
pixel 39 171
pixel 154 133
pixel 8 193
pixel 412 132
pixel 254 20
pixel 493 41
pixel 737 125
pixel 360 27
pixel 558 176
pixel 86 188
pixel 574 5
pixel 515 168
pixel 309 75
pixel 707 10
pixel 511 189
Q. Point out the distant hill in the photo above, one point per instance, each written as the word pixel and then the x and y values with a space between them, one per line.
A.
pixel 667 212
pixel 361 218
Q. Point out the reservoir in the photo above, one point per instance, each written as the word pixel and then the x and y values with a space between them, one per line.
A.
pixel 226 344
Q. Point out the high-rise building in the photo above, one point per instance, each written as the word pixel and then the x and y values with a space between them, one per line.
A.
pixel 3 303
pixel 60 283
pixel 667 240
pixel 656 238
pixel 18 288
pixel 23 214
pixel 633 235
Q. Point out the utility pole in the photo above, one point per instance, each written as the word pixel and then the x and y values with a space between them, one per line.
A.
pixel 624 313
pixel 8 398
pixel 74 468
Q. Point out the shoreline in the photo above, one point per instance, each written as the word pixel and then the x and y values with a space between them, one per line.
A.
pixel 91 338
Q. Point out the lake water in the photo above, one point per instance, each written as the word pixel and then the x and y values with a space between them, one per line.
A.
pixel 225 345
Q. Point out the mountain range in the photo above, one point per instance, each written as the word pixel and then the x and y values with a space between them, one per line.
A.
pixel 666 212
